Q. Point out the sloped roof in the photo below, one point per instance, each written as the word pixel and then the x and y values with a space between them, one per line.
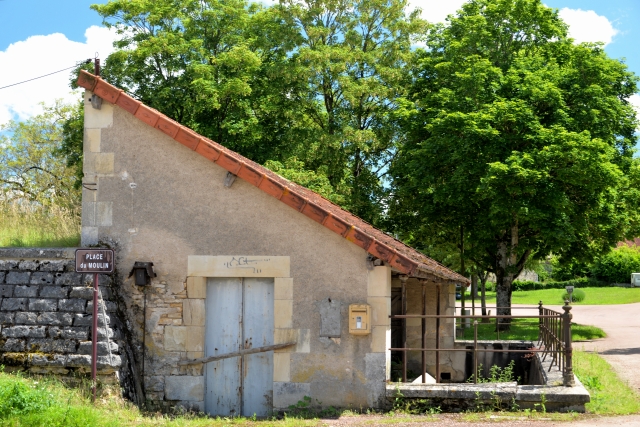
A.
pixel 630 243
pixel 379 244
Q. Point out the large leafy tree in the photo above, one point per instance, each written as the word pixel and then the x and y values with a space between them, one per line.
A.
pixel 309 84
pixel 31 168
pixel 520 138
pixel 216 66
pixel 353 58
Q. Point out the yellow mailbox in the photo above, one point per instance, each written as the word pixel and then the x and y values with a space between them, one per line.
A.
pixel 359 319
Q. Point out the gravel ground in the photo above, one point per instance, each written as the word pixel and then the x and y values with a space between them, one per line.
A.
pixel 482 420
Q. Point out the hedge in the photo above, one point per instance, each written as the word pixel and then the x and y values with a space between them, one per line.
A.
pixel 585 282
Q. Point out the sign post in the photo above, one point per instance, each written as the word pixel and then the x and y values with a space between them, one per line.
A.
pixel 570 292
pixel 95 261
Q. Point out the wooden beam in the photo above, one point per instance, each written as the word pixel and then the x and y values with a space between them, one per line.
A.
pixel 236 354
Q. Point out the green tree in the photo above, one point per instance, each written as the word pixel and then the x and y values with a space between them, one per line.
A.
pixel 31 171
pixel 617 265
pixel 72 140
pixel 313 81
pixel 215 66
pixel 354 59
pixel 519 136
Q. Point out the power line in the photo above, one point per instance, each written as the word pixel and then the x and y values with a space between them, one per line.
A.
pixel 36 78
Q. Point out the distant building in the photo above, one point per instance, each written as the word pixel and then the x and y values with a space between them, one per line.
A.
pixel 529 275
pixel 630 243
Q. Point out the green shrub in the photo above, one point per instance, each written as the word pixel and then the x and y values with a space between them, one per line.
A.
pixel 19 398
pixel 584 282
pixel 617 265
pixel 578 295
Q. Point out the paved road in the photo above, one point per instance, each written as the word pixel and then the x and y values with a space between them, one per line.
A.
pixel 621 347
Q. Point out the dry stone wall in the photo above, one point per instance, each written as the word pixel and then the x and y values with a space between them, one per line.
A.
pixel 46 315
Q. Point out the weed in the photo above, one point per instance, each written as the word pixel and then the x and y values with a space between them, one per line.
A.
pixel 413 406
pixel 307 409
pixel 592 383
pixel 496 374
pixel 19 398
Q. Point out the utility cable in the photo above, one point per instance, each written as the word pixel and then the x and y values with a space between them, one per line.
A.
pixel 36 78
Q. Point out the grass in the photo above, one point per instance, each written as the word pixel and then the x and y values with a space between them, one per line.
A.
pixel 38 402
pixel 609 395
pixel 594 296
pixel 29 226
pixel 527 329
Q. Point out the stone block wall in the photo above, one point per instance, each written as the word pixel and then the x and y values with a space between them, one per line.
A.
pixel 447 329
pixel 46 315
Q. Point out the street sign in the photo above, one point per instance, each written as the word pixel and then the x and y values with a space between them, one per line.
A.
pixel 94 260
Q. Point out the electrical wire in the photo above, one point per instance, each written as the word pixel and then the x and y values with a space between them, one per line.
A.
pixel 36 78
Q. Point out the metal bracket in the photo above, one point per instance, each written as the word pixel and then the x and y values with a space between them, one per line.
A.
pixel 86 184
pixel 96 102
pixel 228 179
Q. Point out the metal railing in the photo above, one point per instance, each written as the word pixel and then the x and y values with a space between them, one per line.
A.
pixel 554 340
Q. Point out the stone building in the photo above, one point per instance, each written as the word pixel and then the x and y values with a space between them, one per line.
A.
pixel 264 293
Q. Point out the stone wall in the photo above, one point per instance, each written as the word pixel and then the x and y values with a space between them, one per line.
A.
pixel 46 315
pixel 448 366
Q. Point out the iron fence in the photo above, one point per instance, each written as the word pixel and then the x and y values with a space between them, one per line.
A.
pixel 554 339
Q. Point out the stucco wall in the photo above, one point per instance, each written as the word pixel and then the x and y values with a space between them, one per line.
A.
pixel 156 200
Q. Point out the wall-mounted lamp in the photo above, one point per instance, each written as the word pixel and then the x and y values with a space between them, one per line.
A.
pixel 143 272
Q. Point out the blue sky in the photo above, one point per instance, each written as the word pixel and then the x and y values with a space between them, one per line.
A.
pixel 40 36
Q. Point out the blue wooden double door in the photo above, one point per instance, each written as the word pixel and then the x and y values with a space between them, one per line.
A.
pixel 239 315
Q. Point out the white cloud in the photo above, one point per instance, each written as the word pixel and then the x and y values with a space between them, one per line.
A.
pixel 588 26
pixel 40 55
pixel 436 10
pixel 584 25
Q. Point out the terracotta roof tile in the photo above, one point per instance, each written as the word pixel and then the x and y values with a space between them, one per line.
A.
pixel 379 244
pixel 630 243
pixel 187 137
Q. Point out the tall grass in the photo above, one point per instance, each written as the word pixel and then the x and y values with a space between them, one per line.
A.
pixel 609 394
pixel 27 224
pixel 46 402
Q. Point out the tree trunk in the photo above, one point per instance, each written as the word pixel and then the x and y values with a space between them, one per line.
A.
pixel 508 266
pixel 483 290
pixel 503 300
pixel 474 292
pixel 462 272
